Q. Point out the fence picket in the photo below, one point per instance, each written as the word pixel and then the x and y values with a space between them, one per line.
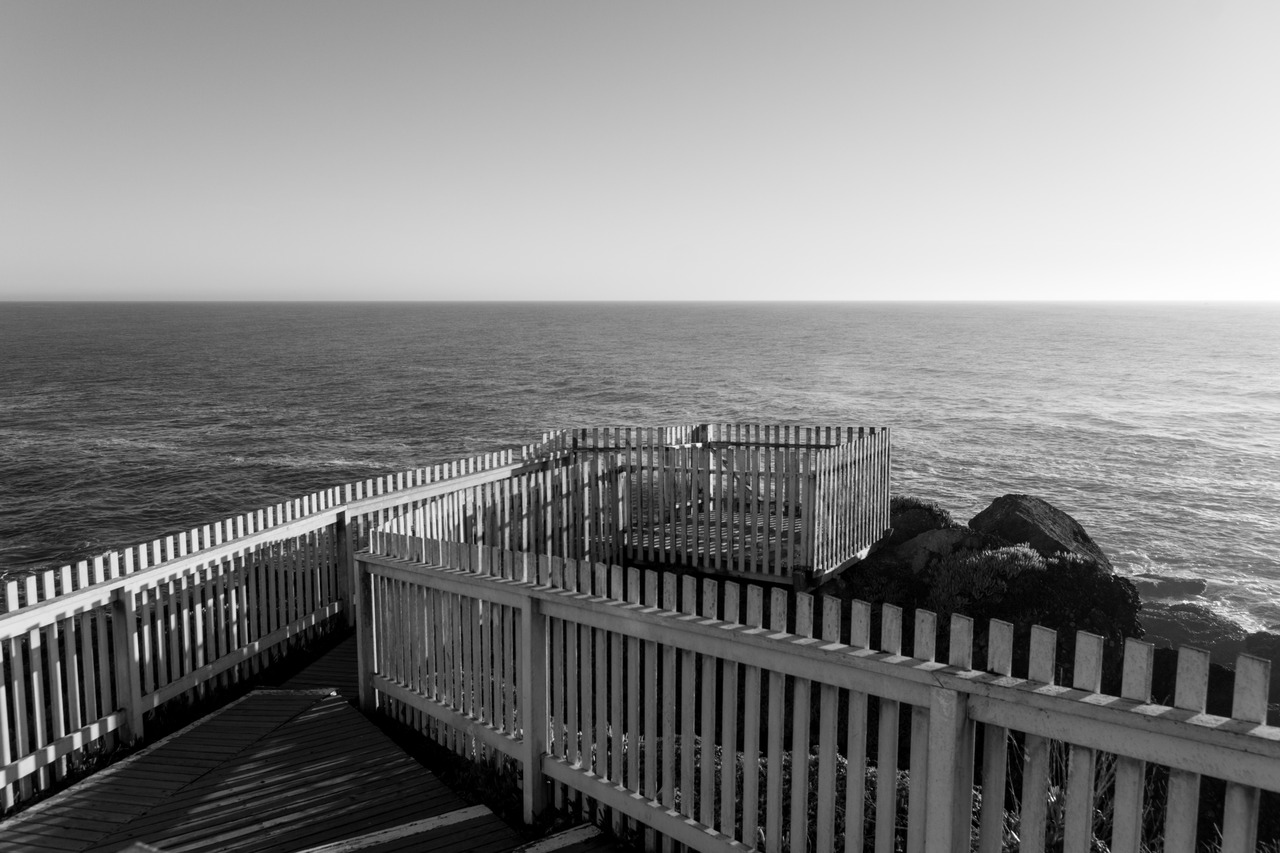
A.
pixel 1035 779
pixel 995 743
pixel 729 723
pixel 669 603
pixel 773 729
pixel 801 693
pixel 688 706
pixel 1182 809
pixel 924 649
pixel 887 753
pixel 1249 703
pixel 856 734
pixel 1086 675
pixel 751 727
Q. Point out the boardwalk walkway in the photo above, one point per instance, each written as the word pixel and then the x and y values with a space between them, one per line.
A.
pixel 287 769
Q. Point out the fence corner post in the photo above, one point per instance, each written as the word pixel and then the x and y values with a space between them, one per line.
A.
pixel 346 568
pixel 533 702
pixel 124 639
pixel 949 786
pixel 363 614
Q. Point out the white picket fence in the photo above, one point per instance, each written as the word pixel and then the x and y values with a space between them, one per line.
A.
pixel 680 709
pixel 87 652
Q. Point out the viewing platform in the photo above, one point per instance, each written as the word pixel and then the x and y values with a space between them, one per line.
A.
pixel 288 769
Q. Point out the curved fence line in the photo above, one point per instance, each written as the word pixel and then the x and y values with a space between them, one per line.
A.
pixel 727 717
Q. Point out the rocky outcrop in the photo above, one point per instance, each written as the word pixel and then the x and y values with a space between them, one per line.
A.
pixel 929 547
pixel 948 568
pixel 1024 519
pixel 1190 624
pixel 1160 586
pixel 909 517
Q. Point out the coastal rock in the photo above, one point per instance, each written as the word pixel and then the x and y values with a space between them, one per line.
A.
pixel 919 551
pixel 1265 644
pixel 1190 624
pixel 910 516
pixel 923 550
pixel 1027 519
pixel 1159 586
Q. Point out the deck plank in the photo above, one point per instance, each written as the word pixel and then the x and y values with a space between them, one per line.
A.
pixel 279 770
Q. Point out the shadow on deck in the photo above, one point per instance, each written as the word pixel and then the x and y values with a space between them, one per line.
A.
pixel 293 768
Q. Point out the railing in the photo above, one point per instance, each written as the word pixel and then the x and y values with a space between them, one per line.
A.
pixel 851 500
pixel 682 710
pixel 86 653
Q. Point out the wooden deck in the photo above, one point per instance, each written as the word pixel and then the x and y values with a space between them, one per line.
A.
pixel 295 768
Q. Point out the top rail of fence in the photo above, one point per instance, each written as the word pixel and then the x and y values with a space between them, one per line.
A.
pixel 178 551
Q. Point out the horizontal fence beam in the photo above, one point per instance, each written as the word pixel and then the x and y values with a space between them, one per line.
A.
pixel 65 745
pixel 193 679
pixel 18 622
pixel 668 822
pixel 501 741
pixel 90 598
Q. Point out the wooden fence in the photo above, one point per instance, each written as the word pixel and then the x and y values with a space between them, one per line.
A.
pixel 775 502
pixel 715 716
pixel 87 652
pixel 851 500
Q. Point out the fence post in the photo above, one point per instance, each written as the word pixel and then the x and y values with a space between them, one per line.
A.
pixel 533 704
pixel 124 633
pixel 946 821
pixel 364 636
pixel 346 568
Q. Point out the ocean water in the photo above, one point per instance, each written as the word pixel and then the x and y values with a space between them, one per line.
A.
pixel 1156 426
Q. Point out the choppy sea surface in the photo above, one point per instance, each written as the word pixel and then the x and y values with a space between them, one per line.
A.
pixel 1157 426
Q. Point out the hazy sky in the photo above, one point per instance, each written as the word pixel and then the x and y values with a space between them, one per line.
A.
pixel 845 150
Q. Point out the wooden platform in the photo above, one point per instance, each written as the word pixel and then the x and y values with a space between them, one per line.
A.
pixel 295 769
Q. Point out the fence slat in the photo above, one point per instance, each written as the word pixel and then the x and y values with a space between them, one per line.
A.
pixel 925 649
pixel 1182 809
pixel 856 725
pixel 669 602
pixel 1086 675
pixel 801 712
pixel 887 752
pixel 828 705
pixel 773 732
pixel 751 727
pixel 995 746
pixel 1035 779
pixel 1249 703
pixel 707 726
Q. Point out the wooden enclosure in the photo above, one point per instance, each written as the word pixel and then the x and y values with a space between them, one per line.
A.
pixel 87 652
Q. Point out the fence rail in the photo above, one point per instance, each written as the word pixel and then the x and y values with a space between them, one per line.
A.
pixel 714 715
pixel 85 654
pixel 87 651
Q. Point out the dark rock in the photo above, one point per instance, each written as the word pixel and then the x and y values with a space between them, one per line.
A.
pixel 1265 644
pixel 1159 586
pixel 920 551
pixel 1026 519
pixel 909 517
pixel 1189 624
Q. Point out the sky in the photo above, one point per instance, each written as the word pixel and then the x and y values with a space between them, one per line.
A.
pixel 897 149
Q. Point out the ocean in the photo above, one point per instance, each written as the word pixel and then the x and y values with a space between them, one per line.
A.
pixel 1157 426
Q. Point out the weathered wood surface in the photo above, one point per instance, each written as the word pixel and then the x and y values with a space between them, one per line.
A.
pixel 275 771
